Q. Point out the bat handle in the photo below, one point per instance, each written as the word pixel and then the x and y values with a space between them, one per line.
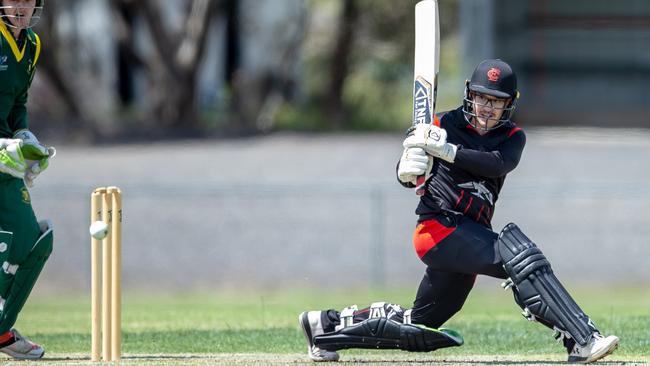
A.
pixel 420 185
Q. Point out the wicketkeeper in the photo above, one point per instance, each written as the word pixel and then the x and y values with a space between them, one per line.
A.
pixel 25 243
pixel 465 155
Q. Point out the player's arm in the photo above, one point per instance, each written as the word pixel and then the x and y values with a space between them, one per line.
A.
pixel 36 154
pixel 17 118
pixel 495 163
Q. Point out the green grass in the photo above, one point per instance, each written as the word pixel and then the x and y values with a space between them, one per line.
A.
pixel 251 322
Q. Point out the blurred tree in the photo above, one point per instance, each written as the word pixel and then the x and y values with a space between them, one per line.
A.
pixel 171 69
pixel 317 64
pixel 265 40
pixel 53 67
pixel 340 60
pixel 379 92
pixel 359 61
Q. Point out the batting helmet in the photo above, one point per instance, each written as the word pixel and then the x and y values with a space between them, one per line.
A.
pixel 494 78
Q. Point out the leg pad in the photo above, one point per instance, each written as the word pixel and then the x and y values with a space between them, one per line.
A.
pixel 24 279
pixel 383 333
pixel 536 288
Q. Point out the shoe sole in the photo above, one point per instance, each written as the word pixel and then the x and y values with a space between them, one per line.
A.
pixel 303 318
pixel 597 357
pixel 22 357
pixel 609 351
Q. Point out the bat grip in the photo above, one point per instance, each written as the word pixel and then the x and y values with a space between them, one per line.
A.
pixel 420 185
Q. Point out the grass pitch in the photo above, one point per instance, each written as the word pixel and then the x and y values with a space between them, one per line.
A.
pixel 240 327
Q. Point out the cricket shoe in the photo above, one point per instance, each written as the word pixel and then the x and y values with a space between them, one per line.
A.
pixel 597 348
pixel 21 348
pixel 312 326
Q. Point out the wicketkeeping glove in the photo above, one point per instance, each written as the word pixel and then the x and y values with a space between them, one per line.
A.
pixel 12 161
pixel 414 163
pixel 37 156
pixel 433 140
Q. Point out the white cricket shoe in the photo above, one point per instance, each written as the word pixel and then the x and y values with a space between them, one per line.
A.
pixel 597 348
pixel 311 327
pixel 22 348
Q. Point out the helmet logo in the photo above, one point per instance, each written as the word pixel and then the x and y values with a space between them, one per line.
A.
pixel 493 74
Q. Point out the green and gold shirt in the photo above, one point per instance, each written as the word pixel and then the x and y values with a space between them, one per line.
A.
pixel 17 67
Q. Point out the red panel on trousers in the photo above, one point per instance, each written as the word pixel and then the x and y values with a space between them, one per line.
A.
pixel 428 234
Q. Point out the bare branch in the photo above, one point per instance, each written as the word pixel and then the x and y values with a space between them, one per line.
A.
pixel 162 40
pixel 195 31
pixel 124 32
pixel 49 65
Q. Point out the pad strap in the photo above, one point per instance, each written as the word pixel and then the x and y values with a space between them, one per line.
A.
pixel 377 310
pixel 347 317
pixel 407 316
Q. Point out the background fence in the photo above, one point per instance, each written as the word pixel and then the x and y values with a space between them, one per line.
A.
pixel 298 210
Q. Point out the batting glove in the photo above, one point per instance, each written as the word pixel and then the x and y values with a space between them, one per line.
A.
pixel 414 163
pixel 433 140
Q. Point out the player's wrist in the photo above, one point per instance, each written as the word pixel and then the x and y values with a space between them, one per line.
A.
pixel 447 152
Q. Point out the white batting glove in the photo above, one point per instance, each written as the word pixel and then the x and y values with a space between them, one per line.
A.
pixel 414 163
pixel 433 140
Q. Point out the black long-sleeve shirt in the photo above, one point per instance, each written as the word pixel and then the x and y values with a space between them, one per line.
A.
pixel 471 185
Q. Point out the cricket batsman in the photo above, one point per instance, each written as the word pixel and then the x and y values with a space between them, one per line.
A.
pixel 25 243
pixel 465 155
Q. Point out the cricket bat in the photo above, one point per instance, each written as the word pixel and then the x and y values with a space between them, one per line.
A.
pixel 425 70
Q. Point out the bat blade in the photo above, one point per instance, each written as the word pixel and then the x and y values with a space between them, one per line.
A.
pixel 425 69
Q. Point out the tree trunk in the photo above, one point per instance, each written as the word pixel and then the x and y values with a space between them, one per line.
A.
pixel 172 72
pixel 339 66
pixel 49 66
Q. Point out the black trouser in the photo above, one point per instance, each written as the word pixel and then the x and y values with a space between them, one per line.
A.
pixel 455 250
